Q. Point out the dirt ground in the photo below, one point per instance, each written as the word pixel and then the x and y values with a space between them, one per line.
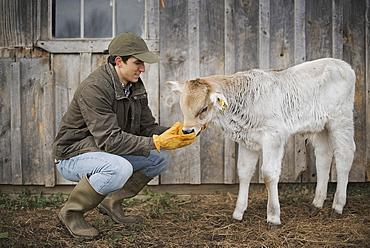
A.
pixel 203 221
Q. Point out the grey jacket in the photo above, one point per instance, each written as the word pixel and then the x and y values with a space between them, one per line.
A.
pixel 101 118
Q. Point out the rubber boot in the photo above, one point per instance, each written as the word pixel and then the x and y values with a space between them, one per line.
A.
pixel 112 204
pixel 82 198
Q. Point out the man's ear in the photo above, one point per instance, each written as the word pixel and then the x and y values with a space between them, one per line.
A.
pixel 176 87
pixel 219 100
pixel 118 61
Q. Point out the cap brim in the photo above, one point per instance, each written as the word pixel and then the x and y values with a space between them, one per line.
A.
pixel 148 57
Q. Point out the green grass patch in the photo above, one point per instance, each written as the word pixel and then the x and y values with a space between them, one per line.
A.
pixel 25 200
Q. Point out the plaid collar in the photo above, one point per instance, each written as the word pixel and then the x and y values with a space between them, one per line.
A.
pixel 126 88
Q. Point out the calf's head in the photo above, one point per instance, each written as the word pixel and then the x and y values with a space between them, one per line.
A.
pixel 198 102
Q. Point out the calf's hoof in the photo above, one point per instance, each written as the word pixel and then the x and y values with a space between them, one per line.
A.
pixel 272 226
pixel 238 216
pixel 314 211
pixel 335 214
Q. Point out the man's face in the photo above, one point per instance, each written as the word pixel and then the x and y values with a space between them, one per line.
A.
pixel 129 71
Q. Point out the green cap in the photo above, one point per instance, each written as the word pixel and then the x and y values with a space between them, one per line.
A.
pixel 127 44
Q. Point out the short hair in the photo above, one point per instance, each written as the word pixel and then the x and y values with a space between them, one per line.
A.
pixel 112 59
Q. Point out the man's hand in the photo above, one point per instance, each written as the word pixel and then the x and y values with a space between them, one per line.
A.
pixel 173 138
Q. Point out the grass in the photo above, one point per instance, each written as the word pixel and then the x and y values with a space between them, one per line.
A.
pixel 25 200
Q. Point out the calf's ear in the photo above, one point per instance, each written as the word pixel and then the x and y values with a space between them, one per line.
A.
pixel 219 100
pixel 176 87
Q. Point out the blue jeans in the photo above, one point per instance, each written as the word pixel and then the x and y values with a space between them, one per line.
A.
pixel 108 172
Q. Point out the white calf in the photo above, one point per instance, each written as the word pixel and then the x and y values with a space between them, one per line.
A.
pixel 261 109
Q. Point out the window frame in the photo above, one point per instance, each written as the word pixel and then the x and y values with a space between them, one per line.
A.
pixel 96 45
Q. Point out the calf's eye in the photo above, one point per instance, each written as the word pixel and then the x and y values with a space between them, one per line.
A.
pixel 204 110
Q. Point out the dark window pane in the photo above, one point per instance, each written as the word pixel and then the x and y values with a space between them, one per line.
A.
pixel 98 19
pixel 66 19
pixel 130 16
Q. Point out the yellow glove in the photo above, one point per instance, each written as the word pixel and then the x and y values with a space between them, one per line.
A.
pixel 173 138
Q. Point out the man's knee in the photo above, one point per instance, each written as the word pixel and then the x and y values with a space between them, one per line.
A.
pixel 161 163
pixel 120 170
pixel 113 175
pixel 166 156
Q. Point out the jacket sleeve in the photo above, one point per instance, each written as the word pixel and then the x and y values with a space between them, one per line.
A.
pixel 96 106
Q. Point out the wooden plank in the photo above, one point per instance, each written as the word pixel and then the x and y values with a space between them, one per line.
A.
pixel 299 32
pixel 151 75
pixel 151 82
pixel 337 29
pixel 85 66
pixel 281 34
pixel 37 24
pixel 44 20
pixel 152 17
pixel 174 67
pixel 5 121
pixel 318 29
pixel 246 25
pixel 98 60
pixel 229 37
pixel 367 82
pixel 74 46
pixel 33 63
pixel 15 24
pixel 230 146
pixel 66 78
pixel 310 175
pixel 300 159
pixel 47 127
pixel 16 124
pixel 264 34
pixel 194 72
pixel 193 40
pixel 212 62
pixel 354 52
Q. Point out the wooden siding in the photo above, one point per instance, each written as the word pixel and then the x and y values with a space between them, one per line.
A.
pixel 195 38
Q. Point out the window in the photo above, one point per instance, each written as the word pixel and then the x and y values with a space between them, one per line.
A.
pixel 87 19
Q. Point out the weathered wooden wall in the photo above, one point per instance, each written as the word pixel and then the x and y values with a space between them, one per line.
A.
pixel 195 38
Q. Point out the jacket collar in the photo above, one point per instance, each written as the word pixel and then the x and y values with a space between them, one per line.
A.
pixel 136 89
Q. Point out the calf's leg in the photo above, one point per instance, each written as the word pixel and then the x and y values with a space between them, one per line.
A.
pixel 246 167
pixel 324 155
pixel 344 148
pixel 273 151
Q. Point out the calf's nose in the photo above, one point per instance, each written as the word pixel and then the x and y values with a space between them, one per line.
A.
pixel 187 131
